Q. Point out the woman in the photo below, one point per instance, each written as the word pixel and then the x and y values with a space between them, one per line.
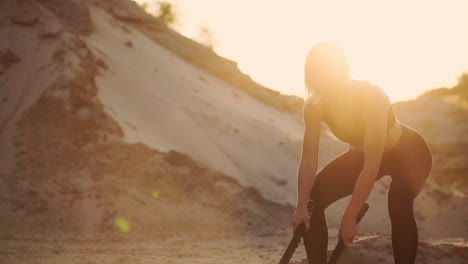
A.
pixel 359 113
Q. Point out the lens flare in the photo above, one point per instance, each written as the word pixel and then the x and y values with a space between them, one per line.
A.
pixel 155 194
pixel 122 224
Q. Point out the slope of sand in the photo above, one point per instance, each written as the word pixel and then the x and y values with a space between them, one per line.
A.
pixel 74 176
pixel 167 103
pixel 115 150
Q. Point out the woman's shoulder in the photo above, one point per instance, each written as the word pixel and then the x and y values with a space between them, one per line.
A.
pixel 369 91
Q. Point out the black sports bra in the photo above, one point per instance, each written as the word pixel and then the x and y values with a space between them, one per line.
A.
pixel 355 134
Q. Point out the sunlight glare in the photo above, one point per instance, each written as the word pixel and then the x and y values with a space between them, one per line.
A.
pixel 122 224
pixel 405 47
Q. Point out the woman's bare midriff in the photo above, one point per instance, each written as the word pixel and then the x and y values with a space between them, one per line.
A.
pixel 392 138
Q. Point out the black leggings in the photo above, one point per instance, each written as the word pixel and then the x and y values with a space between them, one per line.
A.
pixel 408 163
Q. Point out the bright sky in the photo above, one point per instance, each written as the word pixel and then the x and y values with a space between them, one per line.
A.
pixel 404 46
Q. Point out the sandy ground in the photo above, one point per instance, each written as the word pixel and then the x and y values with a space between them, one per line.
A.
pixel 175 250
pixel 190 249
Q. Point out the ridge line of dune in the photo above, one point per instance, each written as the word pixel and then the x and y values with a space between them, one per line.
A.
pixel 198 54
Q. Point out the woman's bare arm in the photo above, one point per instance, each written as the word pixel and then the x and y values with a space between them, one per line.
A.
pixel 374 143
pixel 310 148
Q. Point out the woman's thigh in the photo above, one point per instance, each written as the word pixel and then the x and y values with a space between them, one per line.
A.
pixel 336 179
pixel 412 161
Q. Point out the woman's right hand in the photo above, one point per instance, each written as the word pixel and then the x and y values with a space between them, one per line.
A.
pixel 301 215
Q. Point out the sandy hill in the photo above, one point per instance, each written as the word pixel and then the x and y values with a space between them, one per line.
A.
pixel 68 168
pixel 114 126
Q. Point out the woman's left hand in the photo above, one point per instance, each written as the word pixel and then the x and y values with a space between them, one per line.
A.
pixel 347 230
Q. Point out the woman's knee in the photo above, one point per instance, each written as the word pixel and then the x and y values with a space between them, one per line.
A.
pixel 317 197
pixel 321 196
pixel 400 205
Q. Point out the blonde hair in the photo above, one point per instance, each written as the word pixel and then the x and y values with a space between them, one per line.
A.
pixel 328 56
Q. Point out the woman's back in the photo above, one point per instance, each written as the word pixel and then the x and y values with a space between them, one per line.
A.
pixel 352 130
